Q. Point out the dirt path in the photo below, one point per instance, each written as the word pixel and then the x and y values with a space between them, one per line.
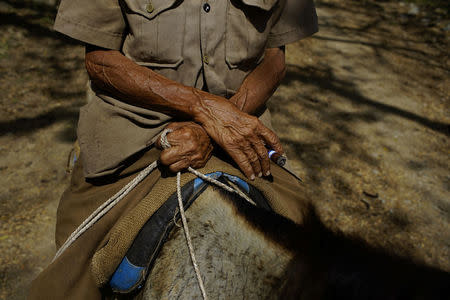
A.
pixel 366 107
pixel 364 112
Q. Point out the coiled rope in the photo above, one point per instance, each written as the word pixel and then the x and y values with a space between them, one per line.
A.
pixel 111 202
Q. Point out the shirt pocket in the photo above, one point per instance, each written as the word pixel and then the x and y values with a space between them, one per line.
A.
pixel 156 32
pixel 247 31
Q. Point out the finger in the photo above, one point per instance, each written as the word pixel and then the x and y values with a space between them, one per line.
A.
pixel 271 139
pixel 201 162
pixel 263 156
pixel 171 155
pixel 178 138
pixel 241 159
pixel 252 157
pixel 158 141
pixel 179 165
pixel 175 125
pixel 172 127
pixel 173 138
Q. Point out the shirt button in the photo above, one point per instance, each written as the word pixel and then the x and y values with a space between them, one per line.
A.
pixel 206 7
pixel 206 59
pixel 149 7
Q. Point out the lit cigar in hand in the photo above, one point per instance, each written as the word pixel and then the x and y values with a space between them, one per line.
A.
pixel 277 158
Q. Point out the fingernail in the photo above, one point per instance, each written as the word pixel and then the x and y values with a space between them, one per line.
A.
pixel 252 177
pixel 259 174
pixel 267 173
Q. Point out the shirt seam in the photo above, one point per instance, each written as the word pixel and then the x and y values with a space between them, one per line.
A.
pixel 291 36
pixel 274 35
pixel 113 34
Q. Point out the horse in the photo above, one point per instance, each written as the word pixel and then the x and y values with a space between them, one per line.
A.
pixel 249 252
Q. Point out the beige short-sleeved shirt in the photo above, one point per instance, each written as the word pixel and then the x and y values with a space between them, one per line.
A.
pixel 208 44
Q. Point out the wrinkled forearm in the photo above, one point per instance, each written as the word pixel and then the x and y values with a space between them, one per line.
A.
pixel 111 71
pixel 262 82
pixel 241 135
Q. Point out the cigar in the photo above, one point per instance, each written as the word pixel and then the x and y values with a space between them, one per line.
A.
pixel 277 158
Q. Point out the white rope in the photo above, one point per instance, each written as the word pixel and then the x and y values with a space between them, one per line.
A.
pixel 104 208
pixel 220 184
pixel 184 221
pixel 163 138
pixel 165 145
pixel 111 202
pixel 188 239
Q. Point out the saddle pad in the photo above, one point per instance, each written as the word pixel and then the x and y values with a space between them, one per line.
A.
pixel 139 259
pixel 282 191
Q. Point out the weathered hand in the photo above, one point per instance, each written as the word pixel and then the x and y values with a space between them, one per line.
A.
pixel 190 147
pixel 241 135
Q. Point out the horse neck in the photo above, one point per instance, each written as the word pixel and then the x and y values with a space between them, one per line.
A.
pixel 236 259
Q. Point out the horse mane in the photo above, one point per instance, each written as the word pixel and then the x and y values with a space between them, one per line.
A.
pixel 331 265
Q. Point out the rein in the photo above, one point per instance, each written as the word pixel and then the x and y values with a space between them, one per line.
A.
pixel 111 202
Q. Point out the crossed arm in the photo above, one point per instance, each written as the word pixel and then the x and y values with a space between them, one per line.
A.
pixel 228 122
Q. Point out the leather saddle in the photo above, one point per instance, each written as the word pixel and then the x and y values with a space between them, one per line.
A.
pixel 138 261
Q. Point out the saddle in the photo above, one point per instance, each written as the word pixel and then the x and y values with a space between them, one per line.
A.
pixel 126 253
pixel 138 261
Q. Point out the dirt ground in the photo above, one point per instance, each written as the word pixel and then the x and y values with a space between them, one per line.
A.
pixel 363 112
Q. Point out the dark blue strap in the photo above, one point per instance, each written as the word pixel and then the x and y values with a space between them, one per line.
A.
pixel 139 258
